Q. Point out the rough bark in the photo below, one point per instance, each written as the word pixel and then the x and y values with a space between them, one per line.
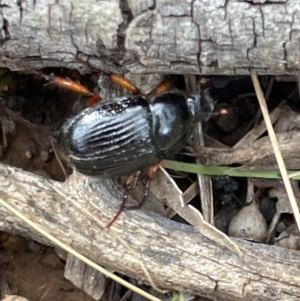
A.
pixel 259 154
pixel 176 256
pixel 185 37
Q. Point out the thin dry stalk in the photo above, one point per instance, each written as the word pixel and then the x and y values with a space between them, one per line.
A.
pixel 278 155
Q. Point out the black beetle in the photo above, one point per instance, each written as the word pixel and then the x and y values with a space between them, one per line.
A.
pixel 127 134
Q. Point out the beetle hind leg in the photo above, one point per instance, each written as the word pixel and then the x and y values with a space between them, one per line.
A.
pixel 115 78
pixel 124 83
pixel 163 86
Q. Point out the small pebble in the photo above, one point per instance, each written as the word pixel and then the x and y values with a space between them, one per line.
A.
pixel 28 154
pixel 44 155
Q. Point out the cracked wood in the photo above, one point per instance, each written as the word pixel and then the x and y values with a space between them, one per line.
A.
pixel 191 37
pixel 176 255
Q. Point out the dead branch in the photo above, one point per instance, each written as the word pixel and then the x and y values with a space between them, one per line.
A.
pixel 189 37
pixel 176 256
pixel 258 154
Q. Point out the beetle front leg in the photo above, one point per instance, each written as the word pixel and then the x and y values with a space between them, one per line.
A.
pixel 143 200
pixel 131 184
pixel 150 174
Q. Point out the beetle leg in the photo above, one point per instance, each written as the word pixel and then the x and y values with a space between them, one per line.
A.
pixel 121 209
pixel 151 171
pixel 61 82
pixel 124 83
pixel 116 78
pixel 142 202
pixel 162 87
pixel 94 99
pixel 130 184
pixel 132 180
pixel 66 83
pixel 69 84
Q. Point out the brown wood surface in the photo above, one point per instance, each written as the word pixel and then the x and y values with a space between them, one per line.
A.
pixel 176 255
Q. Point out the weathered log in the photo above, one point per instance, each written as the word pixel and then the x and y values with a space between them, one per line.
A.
pixel 176 256
pixel 186 37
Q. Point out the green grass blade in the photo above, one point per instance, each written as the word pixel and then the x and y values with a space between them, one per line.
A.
pixel 225 170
